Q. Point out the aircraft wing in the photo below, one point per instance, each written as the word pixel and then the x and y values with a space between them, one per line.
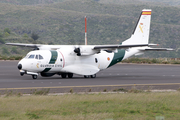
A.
pixel 36 46
pixel 95 47
pixel 142 47
pixel 81 69
pixel 24 45
pixel 118 46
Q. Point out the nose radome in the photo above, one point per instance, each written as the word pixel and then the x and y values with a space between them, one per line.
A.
pixel 19 66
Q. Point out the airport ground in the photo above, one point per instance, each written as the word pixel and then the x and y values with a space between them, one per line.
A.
pixel 120 76
pixel 92 106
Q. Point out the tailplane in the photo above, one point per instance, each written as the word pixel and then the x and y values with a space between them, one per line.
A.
pixel 141 32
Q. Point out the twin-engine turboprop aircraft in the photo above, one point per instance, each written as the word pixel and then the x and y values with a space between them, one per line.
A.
pixel 86 60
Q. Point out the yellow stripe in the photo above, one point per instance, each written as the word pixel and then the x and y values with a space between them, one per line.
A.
pixel 146 13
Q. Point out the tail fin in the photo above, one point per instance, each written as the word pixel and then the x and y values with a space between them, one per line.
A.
pixel 142 29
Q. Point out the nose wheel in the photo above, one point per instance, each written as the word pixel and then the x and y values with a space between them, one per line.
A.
pixel 34 76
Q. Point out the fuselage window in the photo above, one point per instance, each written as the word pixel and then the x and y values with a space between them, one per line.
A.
pixel 60 59
pixel 40 57
pixel 36 57
pixel 31 56
pixel 96 60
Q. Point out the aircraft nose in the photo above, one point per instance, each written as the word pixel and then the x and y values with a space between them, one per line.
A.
pixel 19 66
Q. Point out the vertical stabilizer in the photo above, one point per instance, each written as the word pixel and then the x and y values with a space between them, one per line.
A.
pixel 141 32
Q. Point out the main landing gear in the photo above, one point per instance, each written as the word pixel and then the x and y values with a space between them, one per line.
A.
pixel 70 75
pixel 64 75
pixel 88 76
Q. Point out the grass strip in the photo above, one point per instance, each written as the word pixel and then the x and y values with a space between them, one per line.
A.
pixel 120 106
pixel 152 60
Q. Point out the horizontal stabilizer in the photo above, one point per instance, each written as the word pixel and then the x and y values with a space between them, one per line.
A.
pixel 156 49
pixel 81 69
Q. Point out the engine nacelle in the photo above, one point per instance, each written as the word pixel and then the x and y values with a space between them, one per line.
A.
pixel 85 50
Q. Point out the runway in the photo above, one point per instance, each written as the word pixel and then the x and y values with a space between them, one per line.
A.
pixel 121 75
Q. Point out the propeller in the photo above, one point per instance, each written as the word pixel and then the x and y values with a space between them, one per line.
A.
pixel 78 51
pixel 36 48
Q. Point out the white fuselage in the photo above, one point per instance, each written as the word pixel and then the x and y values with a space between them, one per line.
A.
pixel 65 60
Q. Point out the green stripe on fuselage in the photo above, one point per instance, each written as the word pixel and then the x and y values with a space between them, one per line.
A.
pixel 46 70
pixel 53 59
pixel 117 57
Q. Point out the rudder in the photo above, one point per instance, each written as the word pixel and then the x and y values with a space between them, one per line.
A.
pixel 141 32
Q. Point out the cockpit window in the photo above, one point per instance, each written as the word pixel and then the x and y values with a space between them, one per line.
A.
pixel 26 56
pixel 31 56
pixel 40 57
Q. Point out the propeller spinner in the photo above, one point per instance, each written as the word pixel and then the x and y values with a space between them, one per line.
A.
pixel 77 50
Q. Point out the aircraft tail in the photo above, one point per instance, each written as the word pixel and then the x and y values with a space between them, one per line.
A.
pixel 141 32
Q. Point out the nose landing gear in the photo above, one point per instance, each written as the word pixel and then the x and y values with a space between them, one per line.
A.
pixel 34 76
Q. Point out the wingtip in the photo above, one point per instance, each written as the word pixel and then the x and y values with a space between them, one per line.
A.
pixel 170 49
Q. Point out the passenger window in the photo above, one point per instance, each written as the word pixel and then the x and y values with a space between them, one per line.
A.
pixel 36 56
pixel 96 60
pixel 40 57
pixel 31 56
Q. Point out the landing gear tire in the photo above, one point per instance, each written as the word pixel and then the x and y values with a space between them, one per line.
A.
pixel 63 75
pixel 34 76
pixel 70 75
pixel 21 73
pixel 86 76
pixel 93 76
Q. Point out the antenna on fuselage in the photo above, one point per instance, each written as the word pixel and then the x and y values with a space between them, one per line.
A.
pixel 85 31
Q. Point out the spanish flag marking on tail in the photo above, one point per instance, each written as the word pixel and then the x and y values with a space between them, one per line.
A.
pixel 146 13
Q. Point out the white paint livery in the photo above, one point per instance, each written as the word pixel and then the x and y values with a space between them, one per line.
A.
pixel 86 60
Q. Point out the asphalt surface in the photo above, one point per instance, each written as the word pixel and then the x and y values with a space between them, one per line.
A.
pixel 141 76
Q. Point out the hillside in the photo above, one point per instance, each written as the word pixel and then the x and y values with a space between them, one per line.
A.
pixel 109 22
pixel 167 2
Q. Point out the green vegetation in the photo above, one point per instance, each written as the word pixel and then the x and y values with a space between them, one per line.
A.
pixel 18 57
pixel 30 2
pixel 168 2
pixel 108 22
pixel 41 92
pixel 34 36
pixel 7 30
pixel 128 106
pixel 152 60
